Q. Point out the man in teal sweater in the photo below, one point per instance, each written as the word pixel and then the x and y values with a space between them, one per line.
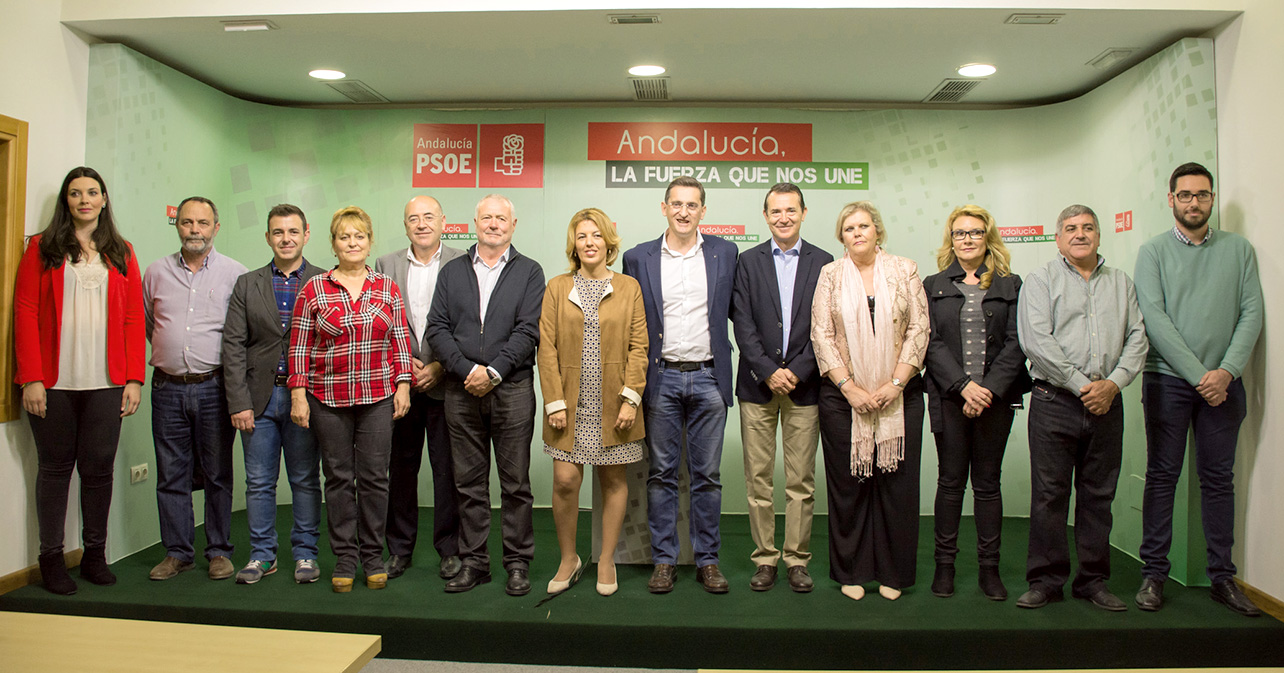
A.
pixel 1202 302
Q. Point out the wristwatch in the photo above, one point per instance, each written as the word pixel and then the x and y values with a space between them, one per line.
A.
pixel 495 378
pixel 629 402
pixel 897 382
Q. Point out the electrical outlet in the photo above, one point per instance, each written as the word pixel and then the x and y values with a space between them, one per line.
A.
pixel 138 473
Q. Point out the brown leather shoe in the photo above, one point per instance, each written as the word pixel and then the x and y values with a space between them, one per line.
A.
pixel 712 579
pixel 764 579
pixel 169 568
pixel 800 579
pixel 221 568
pixel 661 579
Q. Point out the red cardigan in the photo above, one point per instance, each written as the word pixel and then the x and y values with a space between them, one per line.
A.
pixel 37 320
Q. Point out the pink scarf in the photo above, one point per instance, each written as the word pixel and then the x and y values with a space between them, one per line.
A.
pixel 878 437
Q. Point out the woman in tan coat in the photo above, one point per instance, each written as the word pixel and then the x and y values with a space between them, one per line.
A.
pixel 592 371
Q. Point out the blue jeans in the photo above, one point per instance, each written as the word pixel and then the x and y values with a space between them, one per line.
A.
pixel 687 402
pixel 190 423
pixel 274 434
pixel 1172 406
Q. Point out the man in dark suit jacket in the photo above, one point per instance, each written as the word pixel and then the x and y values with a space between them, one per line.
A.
pixel 686 281
pixel 778 383
pixel 484 328
pixel 415 269
pixel 256 335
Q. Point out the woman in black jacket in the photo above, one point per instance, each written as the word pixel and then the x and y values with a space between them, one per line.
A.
pixel 976 377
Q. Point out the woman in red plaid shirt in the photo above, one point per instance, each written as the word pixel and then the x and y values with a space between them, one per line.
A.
pixel 350 378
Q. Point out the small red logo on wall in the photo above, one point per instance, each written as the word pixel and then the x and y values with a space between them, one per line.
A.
pixel 1123 221
pixel 171 212
pixel 512 155
pixel 445 155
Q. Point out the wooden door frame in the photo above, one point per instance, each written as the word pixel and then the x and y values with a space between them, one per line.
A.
pixel 13 209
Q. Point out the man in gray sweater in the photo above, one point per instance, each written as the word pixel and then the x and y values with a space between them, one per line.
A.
pixel 1202 302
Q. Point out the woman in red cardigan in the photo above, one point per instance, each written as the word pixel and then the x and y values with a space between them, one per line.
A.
pixel 79 336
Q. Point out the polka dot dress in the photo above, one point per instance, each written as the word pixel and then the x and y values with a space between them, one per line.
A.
pixel 588 449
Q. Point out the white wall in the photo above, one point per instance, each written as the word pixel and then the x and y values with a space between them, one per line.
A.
pixel 1249 53
pixel 43 81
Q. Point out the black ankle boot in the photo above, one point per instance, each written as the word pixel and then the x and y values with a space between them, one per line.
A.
pixel 943 581
pixel 992 584
pixel 93 567
pixel 53 572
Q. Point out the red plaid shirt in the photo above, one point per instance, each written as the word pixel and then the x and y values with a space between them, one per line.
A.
pixel 345 352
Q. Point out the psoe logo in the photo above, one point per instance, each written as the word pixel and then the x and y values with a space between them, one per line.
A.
pixel 510 162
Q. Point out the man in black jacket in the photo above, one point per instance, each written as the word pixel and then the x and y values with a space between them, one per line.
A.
pixel 484 328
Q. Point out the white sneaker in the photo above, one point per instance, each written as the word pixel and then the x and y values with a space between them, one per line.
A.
pixel 255 571
pixel 306 571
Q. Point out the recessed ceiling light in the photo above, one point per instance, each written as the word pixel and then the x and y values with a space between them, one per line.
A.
pixel 247 26
pixel 327 74
pixel 977 70
pixel 646 70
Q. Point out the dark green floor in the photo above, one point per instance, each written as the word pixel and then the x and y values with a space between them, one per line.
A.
pixel 690 628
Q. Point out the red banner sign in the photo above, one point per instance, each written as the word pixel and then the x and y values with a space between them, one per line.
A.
pixel 512 155
pixel 698 141
pixel 445 155
pixel 1123 221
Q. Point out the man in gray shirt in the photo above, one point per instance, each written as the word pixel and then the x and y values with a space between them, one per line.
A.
pixel 185 297
pixel 1081 327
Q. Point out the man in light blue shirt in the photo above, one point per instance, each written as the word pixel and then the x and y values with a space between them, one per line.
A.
pixel 778 384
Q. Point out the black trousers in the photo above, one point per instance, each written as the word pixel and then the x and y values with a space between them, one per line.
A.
pixel 80 431
pixel 354 443
pixel 972 446
pixel 1070 447
pixel 426 418
pixel 504 418
pixel 873 523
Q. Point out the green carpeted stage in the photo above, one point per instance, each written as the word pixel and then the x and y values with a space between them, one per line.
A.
pixel 690 628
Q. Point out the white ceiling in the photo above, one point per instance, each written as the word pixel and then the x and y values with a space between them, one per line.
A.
pixel 825 57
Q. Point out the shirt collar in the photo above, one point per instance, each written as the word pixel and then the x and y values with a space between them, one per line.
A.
pixel 1181 235
pixel 664 245
pixel 1101 261
pixel 414 261
pixel 204 263
pixel 297 273
pixel 502 258
pixel 955 270
pixel 794 251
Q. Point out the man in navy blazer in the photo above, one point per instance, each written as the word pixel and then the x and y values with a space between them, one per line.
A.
pixel 686 281
pixel 256 334
pixel 415 269
pixel 778 383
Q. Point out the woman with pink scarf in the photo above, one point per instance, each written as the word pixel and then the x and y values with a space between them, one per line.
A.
pixel 869 327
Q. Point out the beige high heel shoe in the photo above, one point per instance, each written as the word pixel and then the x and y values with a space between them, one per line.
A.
pixel 556 586
pixel 608 589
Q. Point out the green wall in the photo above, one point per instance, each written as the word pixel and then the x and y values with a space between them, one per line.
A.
pixel 159 136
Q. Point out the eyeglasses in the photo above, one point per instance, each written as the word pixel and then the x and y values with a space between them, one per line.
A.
pixel 679 206
pixel 1185 197
pixel 961 234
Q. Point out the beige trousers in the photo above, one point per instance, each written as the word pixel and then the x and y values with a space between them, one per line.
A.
pixel 800 430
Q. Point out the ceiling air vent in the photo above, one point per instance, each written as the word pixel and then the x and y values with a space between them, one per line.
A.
pixel 951 90
pixel 357 91
pixel 632 19
pixel 1035 19
pixel 650 88
pixel 1110 58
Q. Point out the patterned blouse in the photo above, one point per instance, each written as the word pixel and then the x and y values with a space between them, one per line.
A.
pixel 349 352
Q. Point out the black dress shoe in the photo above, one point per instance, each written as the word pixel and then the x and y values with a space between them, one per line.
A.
pixel 1105 600
pixel 1038 596
pixel 712 579
pixel 943 581
pixel 764 579
pixel 991 584
pixel 450 566
pixel 519 582
pixel 1150 597
pixel 1227 593
pixel 467 578
pixel 397 566
pixel 662 577
pixel 800 579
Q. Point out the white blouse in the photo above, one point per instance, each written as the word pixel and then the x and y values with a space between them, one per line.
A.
pixel 82 352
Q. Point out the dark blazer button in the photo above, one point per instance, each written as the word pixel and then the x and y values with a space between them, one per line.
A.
pixel 989 314
pixel 777 351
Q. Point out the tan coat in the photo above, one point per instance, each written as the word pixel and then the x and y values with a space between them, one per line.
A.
pixel 624 352
pixel 909 314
